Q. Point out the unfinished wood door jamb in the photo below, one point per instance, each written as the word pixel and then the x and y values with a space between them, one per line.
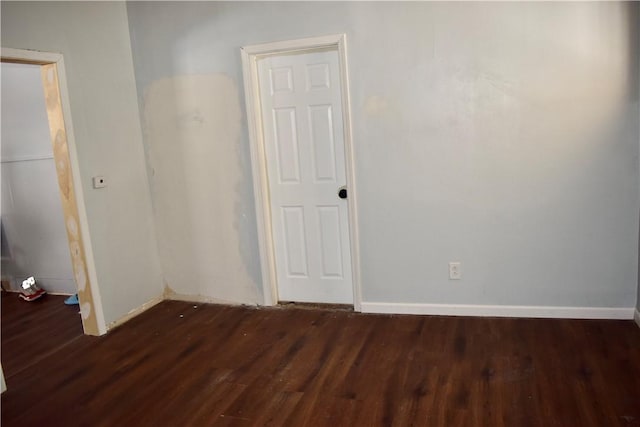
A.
pixel 69 181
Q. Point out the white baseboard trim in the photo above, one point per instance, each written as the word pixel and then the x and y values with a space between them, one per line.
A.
pixel 636 317
pixel 133 313
pixel 501 310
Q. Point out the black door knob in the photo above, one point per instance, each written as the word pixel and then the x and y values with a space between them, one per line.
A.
pixel 342 193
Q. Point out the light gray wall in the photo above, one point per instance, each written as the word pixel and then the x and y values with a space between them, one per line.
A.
pixel 501 135
pixel 32 217
pixel 94 39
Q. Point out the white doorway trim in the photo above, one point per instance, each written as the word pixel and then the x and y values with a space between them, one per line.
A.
pixel 250 56
pixel 56 60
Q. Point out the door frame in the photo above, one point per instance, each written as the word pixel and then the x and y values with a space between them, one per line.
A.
pixel 69 184
pixel 250 56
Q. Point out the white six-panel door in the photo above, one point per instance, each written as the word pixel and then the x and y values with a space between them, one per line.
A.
pixel 304 145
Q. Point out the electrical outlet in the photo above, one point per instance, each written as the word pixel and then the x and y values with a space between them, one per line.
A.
pixel 455 270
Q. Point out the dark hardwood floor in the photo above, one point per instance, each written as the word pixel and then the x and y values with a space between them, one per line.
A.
pixel 177 365
pixel 33 330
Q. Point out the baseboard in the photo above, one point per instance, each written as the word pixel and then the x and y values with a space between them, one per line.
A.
pixel 167 295
pixel 501 311
pixel 133 313
pixel 636 317
pixel 64 294
pixel 17 291
pixel 200 299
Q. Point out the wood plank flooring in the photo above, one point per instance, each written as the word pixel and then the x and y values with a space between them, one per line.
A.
pixel 32 330
pixel 176 365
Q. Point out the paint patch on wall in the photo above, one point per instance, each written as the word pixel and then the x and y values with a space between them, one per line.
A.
pixel 375 105
pixel 192 127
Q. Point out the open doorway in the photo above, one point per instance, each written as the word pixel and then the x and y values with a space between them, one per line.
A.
pixel 34 241
pixel 45 232
pixel 81 276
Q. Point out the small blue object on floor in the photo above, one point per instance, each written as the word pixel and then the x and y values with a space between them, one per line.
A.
pixel 72 300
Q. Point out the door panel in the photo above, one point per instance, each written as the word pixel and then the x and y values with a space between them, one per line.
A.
pixel 304 145
pixel 295 244
pixel 286 144
pixel 329 217
pixel 318 77
pixel 324 156
pixel 281 79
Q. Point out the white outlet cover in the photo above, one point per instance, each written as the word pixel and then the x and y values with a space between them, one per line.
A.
pixel 455 270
